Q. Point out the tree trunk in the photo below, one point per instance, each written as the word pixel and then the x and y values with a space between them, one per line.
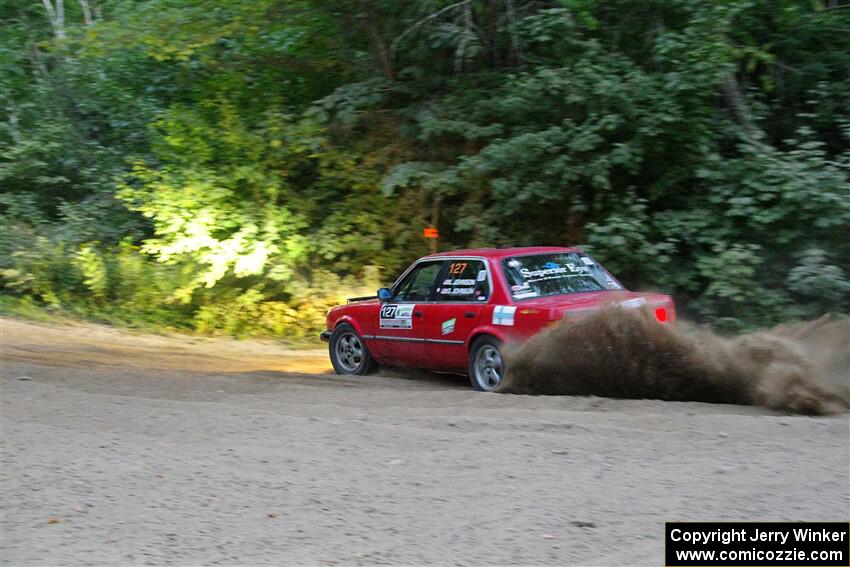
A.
pixel 378 44
pixel 57 17
pixel 14 131
pixel 84 4
pixel 735 100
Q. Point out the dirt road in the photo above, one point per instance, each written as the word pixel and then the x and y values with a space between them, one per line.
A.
pixel 135 449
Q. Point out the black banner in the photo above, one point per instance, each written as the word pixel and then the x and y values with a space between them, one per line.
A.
pixel 816 544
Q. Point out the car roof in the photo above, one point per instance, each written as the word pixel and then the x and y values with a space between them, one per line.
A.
pixel 503 252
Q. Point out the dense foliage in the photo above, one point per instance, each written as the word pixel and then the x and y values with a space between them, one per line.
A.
pixel 238 167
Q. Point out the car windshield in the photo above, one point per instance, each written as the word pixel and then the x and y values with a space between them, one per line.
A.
pixel 560 273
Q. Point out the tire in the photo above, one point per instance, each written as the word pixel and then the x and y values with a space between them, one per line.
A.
pixel 486 366
pixel 348 353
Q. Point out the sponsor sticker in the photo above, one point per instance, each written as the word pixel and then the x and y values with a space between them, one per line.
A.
pixel 544 273
pixel 587 261
pixel 397 316
pixel 633 303
pixel 504 315
pixel 609 282
pixel 482 275
pixel 448 327
pixel 525 294
pixel 578 269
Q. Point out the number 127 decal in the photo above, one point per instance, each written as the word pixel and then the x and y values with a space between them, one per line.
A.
pixel 397 316
pixel 457 268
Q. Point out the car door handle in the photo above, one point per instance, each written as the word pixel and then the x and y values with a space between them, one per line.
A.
pixel 469 314
pixel 417 314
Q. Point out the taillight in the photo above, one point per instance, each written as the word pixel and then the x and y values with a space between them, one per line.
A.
pixel 661 314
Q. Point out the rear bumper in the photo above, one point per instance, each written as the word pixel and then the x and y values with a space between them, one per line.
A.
pixel 325 336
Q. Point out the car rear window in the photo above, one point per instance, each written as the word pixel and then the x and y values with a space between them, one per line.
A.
pixel 542 275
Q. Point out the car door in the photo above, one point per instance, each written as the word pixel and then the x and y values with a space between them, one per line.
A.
pixel 400 332
pixel 461 293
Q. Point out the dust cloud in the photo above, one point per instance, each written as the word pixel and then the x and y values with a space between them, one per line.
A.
pixel 627 354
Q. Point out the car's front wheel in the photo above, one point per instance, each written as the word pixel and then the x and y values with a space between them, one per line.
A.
pixel 486 367
pixel 348 353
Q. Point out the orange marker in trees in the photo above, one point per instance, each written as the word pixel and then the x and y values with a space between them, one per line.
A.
pixel 433 234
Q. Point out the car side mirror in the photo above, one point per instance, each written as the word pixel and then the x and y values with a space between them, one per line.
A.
pixel 385 294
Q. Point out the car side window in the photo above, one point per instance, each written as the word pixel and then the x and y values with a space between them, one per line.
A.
pixel 419 283
pixel 464 280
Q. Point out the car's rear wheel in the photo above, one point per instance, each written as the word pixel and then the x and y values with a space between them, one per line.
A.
pixel 348 353
pixel 486 367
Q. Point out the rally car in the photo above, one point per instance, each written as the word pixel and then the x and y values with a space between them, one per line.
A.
pixel 453 311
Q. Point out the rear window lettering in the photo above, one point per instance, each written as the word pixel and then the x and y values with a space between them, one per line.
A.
pixel 560 273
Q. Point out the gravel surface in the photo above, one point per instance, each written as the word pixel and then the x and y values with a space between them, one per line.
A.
pixel 121 448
